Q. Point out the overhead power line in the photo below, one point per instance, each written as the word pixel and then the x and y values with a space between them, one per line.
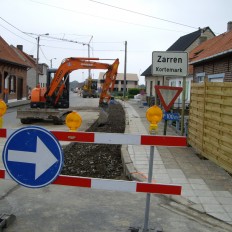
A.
pixel 16 34
pixel 16 28
pixel 67 40
pixel 106 18
pixel 139 13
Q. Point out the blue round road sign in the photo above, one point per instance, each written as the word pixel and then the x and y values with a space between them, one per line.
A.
pixel 33 157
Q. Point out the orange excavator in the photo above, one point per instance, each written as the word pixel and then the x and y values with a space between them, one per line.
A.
pixel 47 102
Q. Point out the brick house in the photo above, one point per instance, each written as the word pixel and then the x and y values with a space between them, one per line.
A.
pixel 212 60
pixel 18 72
pixel 13 73
pixel 31 73
pixel 184 43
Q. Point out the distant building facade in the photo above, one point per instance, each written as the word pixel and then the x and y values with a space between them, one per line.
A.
pixel 43 74
pixel 132 81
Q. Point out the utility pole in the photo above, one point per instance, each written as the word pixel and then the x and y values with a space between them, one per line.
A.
pixel 37 59
pixel 125 62
pixel 37 63
pixel 89 52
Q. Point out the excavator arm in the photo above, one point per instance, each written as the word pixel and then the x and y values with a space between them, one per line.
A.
pixel 108 85
pixel 56 87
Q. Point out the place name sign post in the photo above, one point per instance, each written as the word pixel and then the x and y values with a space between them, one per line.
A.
pixel 174 64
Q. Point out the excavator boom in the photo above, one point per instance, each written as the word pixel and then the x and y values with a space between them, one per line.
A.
pixel 71 64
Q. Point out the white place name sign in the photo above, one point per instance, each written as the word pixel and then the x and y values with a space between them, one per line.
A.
pixel 169 63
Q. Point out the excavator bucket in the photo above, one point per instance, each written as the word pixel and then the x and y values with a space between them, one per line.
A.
pixel 103 117
pixel 104 114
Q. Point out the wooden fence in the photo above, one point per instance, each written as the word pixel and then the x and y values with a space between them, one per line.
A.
pixel 210 122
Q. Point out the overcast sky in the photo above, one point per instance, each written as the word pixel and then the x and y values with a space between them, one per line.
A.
pixel 146 25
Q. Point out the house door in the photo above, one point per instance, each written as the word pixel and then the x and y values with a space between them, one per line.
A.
pixel 19 88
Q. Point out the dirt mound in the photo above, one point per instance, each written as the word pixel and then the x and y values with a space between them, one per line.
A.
pixel 97 160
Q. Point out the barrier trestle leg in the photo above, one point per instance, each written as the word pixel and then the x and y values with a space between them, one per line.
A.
pixel 6 220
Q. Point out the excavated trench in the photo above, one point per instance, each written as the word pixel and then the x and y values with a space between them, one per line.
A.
pixel 98 160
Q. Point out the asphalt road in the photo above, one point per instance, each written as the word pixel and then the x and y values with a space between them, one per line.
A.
pixel 76 102
pixel 56 208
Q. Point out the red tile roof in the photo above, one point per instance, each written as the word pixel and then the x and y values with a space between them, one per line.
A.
pixel 28 59
pixel 8 54
pixel 211 48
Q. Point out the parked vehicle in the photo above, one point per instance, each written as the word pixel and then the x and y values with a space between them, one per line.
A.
pixel 90 88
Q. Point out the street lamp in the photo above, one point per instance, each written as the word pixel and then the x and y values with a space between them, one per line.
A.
pixel 51 61
pixel 37 60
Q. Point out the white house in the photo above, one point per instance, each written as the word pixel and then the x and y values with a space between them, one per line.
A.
pixel 132 81
pixel 184 43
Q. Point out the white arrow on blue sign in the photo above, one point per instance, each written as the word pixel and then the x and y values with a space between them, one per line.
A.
pixel 33 157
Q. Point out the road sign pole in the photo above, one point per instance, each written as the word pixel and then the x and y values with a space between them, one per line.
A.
pixel 148 199
pixel 154 115
pixel 165 126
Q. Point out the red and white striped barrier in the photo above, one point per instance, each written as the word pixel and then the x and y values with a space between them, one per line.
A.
pixel 112 138
pixel 114 185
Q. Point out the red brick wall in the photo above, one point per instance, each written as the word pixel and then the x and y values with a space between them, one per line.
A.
pixel 221 65
pixel 19 72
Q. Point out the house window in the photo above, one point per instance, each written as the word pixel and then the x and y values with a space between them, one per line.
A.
pixel 158 82
pixel 12 84
pixel 173 83
pixel 216 77
pixel 200 77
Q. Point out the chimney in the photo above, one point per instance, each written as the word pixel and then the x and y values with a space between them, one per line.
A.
pixel 20 47
pixel 229 26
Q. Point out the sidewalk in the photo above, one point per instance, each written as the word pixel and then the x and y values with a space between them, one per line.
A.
pixel 205 186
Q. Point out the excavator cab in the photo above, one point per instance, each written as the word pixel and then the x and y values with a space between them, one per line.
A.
pixel 63 101
pixel 39 98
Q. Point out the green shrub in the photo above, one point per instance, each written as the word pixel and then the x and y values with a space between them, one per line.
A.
pixel 133 91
